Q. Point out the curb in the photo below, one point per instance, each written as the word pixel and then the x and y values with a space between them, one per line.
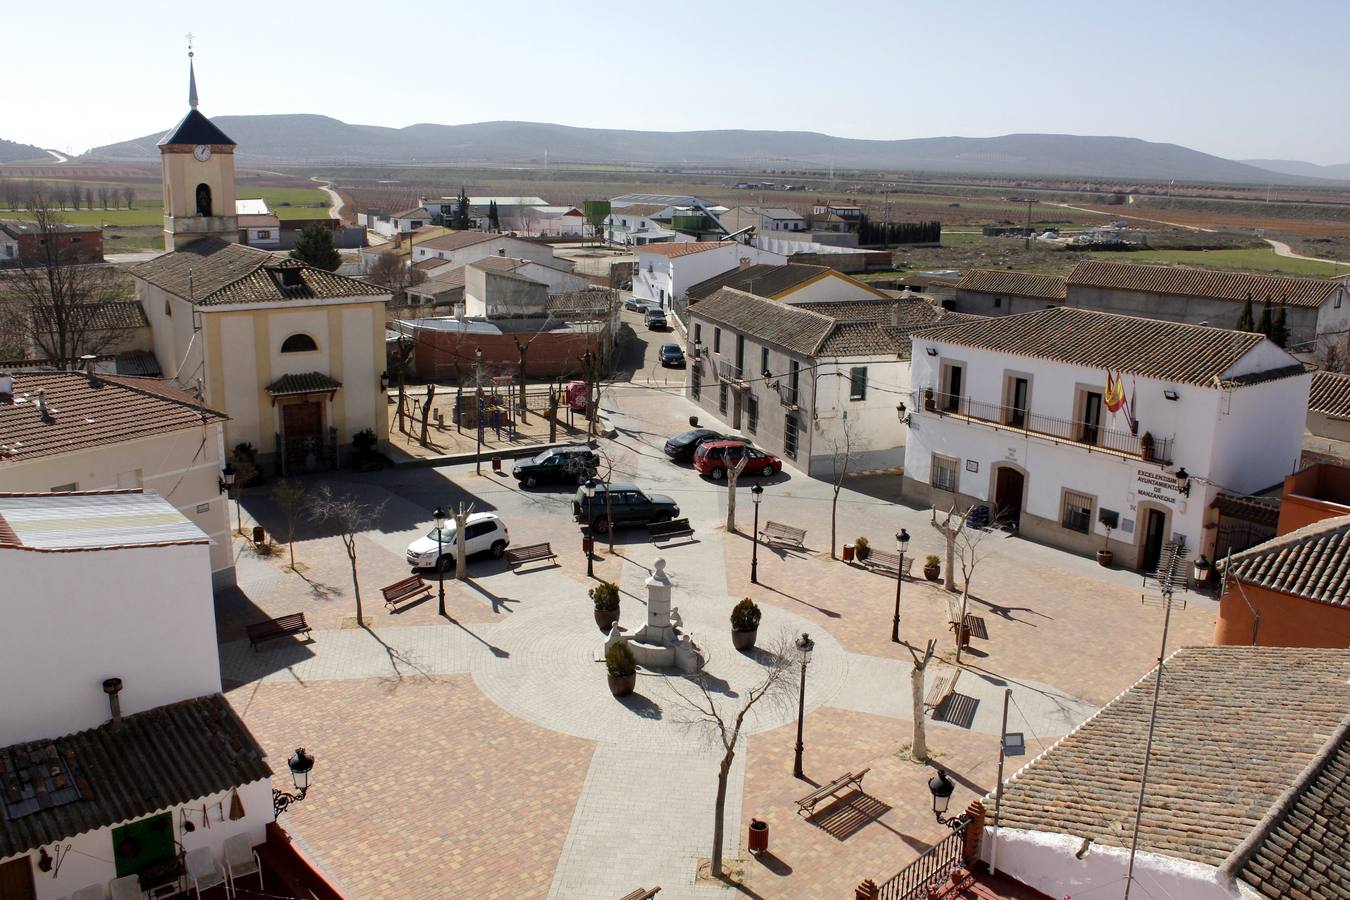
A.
pixel 454 459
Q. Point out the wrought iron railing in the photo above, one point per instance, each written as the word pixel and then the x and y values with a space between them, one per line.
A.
pixel 1148 448
pixel 729 371
pixel 930 870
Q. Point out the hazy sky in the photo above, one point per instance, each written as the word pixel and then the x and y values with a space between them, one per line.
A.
pixel 1238 79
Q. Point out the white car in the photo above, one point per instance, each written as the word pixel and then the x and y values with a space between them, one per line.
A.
pixel 483 533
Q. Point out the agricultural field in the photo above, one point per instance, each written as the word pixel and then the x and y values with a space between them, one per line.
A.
pixel 1251 260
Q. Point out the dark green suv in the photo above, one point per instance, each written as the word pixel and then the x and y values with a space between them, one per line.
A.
pixel 628 505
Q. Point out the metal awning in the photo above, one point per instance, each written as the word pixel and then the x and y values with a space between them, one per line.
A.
pixel 303 383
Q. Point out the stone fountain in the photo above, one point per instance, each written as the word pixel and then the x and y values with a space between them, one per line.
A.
pixel 660 644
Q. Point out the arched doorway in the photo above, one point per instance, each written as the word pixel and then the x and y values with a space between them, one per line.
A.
pixel 1010 485
pixel 204 199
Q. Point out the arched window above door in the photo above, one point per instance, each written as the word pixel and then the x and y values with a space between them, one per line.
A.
pixel 299 343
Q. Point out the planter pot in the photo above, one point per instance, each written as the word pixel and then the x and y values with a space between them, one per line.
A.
pixel 743 640
pixel 863 552
pixel 1104 557
pixel 932 573
pixel 929 404
pixel 758 841
pixel 693 421
pixel 622 685
pixel 605 618
pixel 848 553
pixel 962 635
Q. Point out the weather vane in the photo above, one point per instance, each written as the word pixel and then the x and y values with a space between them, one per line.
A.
pixel 190 36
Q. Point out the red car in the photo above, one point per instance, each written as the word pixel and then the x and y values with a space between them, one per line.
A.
pixel 713 458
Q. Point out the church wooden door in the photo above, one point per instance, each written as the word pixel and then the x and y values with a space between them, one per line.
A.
pixel 302 429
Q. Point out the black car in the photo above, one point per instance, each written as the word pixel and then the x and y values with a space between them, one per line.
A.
pixel 624 504
pixel 656 320
pixel 570 464
pixel 681 447
pixel 672 355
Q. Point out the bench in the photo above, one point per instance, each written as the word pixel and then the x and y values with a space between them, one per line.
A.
pixel 516 556
pixel 281 626
pixel 661 531
pixel 944 685
pixel 642 893
pixel 888 563
pixel 807 805
pixel 778 533
pixel 405 590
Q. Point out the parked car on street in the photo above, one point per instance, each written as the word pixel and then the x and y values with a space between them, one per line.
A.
pixel 573 464
pixel 681 447
pixel 628 505
pixel 483 533
pixel 656 320
pixel 672 355
pixel 633 305
pixel 713 458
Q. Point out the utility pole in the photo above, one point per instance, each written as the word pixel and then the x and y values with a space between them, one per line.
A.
pixel 1027 245
pixel 998 796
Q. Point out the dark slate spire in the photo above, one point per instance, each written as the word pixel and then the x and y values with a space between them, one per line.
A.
pixel 195 128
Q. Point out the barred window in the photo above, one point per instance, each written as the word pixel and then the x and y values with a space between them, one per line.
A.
pixel 943 474
pixel 790 436
pixel 751 413
pixel 722 396
pixel 857 383
pixel 695 381
pixel 1077 512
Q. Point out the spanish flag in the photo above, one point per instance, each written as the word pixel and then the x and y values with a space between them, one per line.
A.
pixel 1115 393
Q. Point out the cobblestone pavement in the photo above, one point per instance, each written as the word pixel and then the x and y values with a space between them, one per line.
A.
pixel 498 713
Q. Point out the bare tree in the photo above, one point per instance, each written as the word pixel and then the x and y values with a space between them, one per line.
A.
pixel 245 470
pixel 12 193
pixel 392 272
pixel 721 726
pixel 352 517
pixel 1333 354
pixel 733 473
pixel 89 198
pixel 971 550
pixel 462 513
pixel 129 196
pixel 426 411
pixel 843 445
pixel 73 196
pixel 103 192
pixel 293 500
pixel 949 533
pixel 918 750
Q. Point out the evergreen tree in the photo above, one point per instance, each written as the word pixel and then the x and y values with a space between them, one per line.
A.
pixel 460 220
pixel 1279 330
pixel 316 248
pixel 494 222
pixel 1266 323
pixel 1246 321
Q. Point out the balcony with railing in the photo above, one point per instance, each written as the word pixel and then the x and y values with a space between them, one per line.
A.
pixel 1092 436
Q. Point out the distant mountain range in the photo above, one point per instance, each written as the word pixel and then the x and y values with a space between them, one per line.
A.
pixel 1339 172
pixel 12 152
pixel 297 139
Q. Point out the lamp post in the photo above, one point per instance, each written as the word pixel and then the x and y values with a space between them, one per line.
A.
pixel 227 476
pixel 804 647
pixel 300 765
pixel 901 544
pixel 439 515
pixel 941 787
pixel 756 494
pixel 478 418
pixel 588 542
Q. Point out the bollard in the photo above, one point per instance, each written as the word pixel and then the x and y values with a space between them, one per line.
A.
pixel 497 464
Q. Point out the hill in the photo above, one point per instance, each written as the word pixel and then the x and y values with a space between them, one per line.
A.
pixel 12 152
pixel 320 139
pixel 1339 172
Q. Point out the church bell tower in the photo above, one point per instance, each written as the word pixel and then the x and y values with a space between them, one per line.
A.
pixel 198 177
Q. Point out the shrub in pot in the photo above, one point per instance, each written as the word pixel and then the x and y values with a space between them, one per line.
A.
pixel 1106 555
pixel 861 548
pixel 1146 445
pixel 622 669
pixel 932 567
pixel 605 596
pixel 744 624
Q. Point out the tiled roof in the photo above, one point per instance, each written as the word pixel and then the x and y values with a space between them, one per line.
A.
pixel 222 273
pixel 674 249
pixel 82 414
pixel 1017 284
pixel 432 262
pixel 458 240
pixel 303 383
pixel 156 759
pixel 789 327
pixel 1168 351
pixel 1236 726
pixel 762 279
pixel 638 210
pixel 572 303
pixel 113 315
pixel 195 128
pixel 416 212
pixel 17 227
pixel 1305 851
pixel 1183 282
pixel 1312 562
pixel 1330 394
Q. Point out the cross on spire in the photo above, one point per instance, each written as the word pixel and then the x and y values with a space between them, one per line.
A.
pixel 192 74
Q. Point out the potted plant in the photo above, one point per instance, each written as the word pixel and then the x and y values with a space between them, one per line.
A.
pixel 932 567
pixel 860 548
pixel 363 443
pixel 744 624
pixel 928 399
pixel 1146 446
pixel 622 669
pixel 1106 555
pixel 605 596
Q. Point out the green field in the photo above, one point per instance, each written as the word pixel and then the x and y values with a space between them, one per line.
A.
pixel 150 212
pixel 1253 260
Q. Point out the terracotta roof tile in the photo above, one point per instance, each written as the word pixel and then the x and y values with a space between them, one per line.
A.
pixel 1330 394
pixel 303 383
pixel 458 240
pixel 761 279
pixel 675 249
pixel 1312 562
pixel 212 272
pixel 1017 284
pixel 1184 282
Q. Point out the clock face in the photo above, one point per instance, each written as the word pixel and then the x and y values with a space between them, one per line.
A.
pixel 202 152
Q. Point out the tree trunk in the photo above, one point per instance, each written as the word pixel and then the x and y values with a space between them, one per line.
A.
pixel 961 620
pixel 524 409
pixel 356 582
pixel 461 563
pixel 918 751
pixel 402 425
pixel 834 518
pixel 552 415
pixel 719 825
pixel 426 412
pixel 290 545
pixel 950 581
pixel 734 475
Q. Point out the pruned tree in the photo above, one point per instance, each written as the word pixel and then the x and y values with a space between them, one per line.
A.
pixel 1333 353
pixel 316 248
pixel 103 195
pixel 733 473
pixel 426 411
pixel 462 513
pixel 89 198
pixel 392 272
pixel 245 463
pixel 842 447
pixel 918 749
pixel 971 548
pixel 949 533
pixel 351 516
pixel 73 196
pixel 720 724
pixel 58 305
pixel 129 196
pixel 292 499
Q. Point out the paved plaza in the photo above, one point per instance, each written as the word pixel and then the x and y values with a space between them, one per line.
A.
pixel 481 753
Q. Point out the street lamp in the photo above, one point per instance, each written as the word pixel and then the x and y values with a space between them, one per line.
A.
pixel 226 480
pixel 941 787
pixel 756 494
pixel 901 544
pixel 439 516
pixel 300 765
pixel 588 542
pixel 804 647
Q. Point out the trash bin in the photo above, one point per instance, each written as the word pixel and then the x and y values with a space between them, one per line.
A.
pixel 258 535
pixel 496 464
pixel 587 544
pixel 759 836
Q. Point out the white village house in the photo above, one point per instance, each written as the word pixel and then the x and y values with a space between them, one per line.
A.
pixel 1013 413
pixel 439 255
pixel 666 271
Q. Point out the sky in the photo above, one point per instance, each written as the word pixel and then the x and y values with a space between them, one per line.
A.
pixel 1237 79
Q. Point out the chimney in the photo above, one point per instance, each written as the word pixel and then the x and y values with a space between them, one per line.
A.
pixel 41 401
pixel 501 252
pixel 112 687
pixel 6 387
pixel 88 359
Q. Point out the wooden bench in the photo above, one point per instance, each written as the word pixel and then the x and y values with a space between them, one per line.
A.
pixel 944 685
pixel 412 587
pixel 661 531
pixel 888 563
pixel 642 893
pixel 281 626
pixel 807 805
pixel 516 556
pixel 778 533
